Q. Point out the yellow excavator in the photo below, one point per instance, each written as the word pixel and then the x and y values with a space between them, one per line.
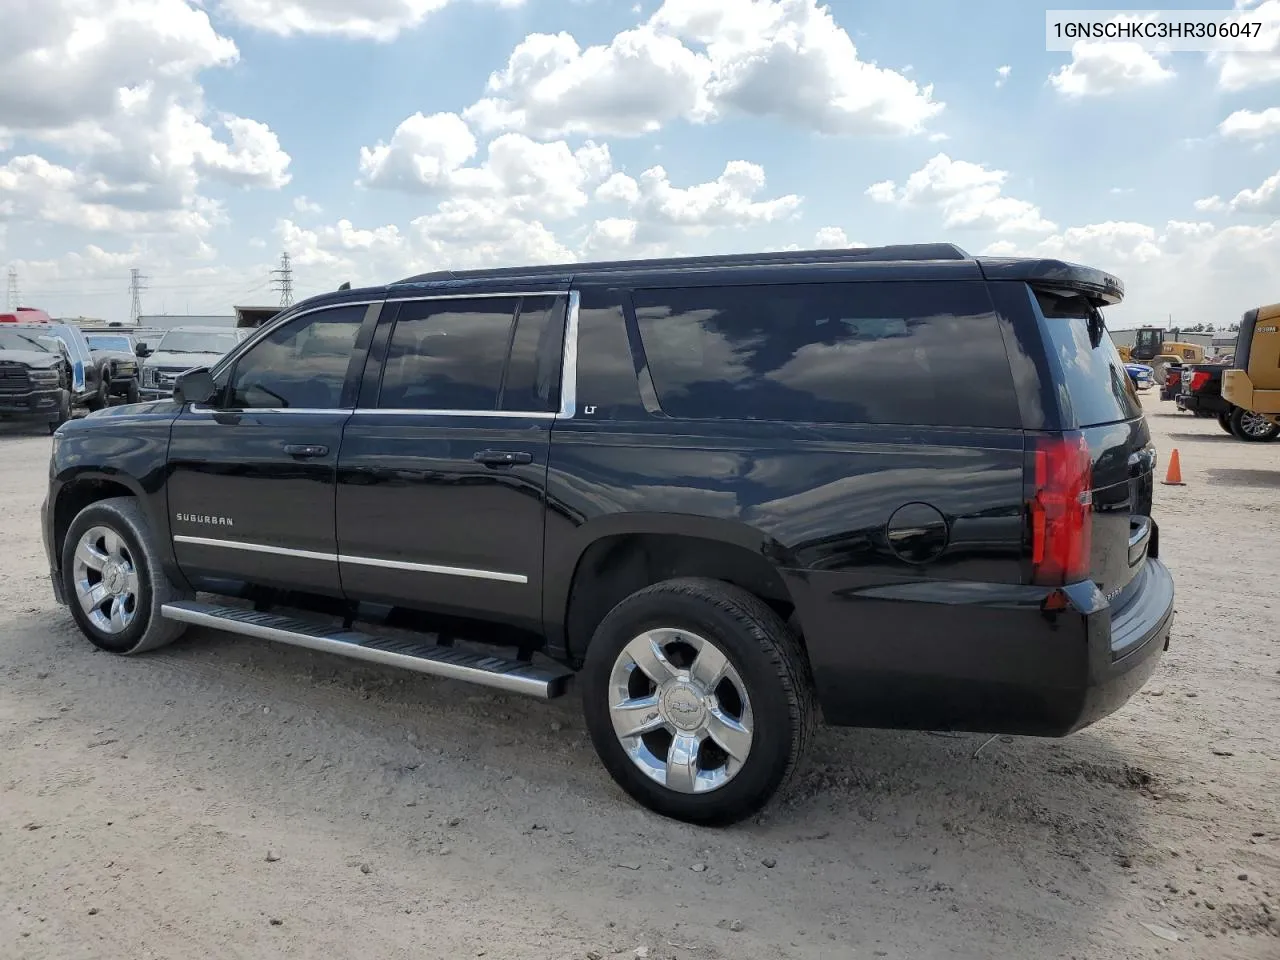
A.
pixel 1254 384
pixel 1151 347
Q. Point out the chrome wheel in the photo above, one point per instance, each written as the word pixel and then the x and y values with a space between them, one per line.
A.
pixel 680 710
pixel 1255 425
pixel 106 580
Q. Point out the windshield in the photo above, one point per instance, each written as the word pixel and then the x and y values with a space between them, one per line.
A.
pixel 14 340
pixel 189 341
pixel 99 342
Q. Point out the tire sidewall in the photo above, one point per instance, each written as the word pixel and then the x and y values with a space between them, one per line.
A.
pixel 1237 429
pixel 772 711
pixel 106 514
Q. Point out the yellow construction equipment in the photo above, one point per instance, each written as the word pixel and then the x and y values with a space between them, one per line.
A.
pixel 1151 347
pixel 1254 384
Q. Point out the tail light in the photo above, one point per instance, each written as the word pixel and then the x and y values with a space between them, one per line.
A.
pixel 1198 380
pixel 1061 509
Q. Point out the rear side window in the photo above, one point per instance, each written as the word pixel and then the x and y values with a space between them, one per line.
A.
pixel 1094 378
pixel 532 381
pixel 878 352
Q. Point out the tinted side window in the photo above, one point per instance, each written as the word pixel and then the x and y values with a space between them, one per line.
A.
pixel 532 383
pixel 448 354
pixel 1095 379
pixel 607 385
pixel 884 352
pixel 303 364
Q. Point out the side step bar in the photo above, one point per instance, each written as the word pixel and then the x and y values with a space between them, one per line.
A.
pixel 513 676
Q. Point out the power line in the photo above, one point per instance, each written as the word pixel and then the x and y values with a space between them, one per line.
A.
pixel 137 283
pixel 285 282
pixel 11 297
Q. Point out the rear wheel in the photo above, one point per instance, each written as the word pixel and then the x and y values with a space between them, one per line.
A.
pixel 1252 427
pixel 698 700
pixel 114 581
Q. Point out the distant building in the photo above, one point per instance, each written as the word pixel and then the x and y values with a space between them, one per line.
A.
pixel 167 321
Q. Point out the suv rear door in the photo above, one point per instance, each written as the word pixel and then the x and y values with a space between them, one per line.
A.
pixel 443 471
pixel 1097 398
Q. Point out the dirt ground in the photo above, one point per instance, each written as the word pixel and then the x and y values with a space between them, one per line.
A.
pixel 227 798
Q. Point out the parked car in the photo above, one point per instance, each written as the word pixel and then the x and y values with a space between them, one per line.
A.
pixel 90 377
pixel 1142 375
pixel 33 375
pixel 1202 395
pixel 724 491
pixel 117 355
pixel 181 349
pixel 1172 385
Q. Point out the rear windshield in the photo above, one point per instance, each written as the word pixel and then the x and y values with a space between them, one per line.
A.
pixel 1094 377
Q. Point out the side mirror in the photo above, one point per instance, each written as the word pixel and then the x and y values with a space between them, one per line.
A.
pixel 142 351
pixel 194 386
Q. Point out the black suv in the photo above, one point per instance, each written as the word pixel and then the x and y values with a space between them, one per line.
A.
pixel 904 486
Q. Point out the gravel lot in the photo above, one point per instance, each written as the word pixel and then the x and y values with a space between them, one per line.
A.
pixel 227 798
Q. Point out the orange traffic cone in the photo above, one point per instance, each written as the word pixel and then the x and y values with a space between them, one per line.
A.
pixel 1173 477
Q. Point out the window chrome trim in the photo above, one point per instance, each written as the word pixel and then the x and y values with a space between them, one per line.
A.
pixel 569 361
pixel 362 561
pixel 242 411
pixel 408 298
pixel 409 412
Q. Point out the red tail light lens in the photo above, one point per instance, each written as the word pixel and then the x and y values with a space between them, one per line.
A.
pixel 1061 510
pixel 1198 380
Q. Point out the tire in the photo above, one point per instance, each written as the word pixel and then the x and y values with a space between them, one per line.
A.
pixel 64 413
pixel 102 396
pixel 1224 421
pixel 1251 427
pixel 134 394
pixel 137 570
pixel 765 691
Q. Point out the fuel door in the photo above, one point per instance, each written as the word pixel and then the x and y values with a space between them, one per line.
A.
pixel 917 533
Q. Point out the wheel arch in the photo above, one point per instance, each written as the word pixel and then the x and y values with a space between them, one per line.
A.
pixel 612 557
pixel 84 489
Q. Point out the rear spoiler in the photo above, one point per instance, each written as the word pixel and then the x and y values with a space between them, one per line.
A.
pixel 1058 276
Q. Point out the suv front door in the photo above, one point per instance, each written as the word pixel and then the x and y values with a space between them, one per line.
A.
pixel 251 476
pixel 442 476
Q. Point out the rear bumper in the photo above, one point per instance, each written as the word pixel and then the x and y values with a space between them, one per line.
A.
pixel 1238 389
pixel 1198 403
pixel 982 658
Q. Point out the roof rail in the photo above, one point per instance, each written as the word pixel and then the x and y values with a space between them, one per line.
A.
pixel 896 252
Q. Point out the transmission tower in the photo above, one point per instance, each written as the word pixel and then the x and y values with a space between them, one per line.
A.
pixel 137 283
pixel 283 280
pixel 11 297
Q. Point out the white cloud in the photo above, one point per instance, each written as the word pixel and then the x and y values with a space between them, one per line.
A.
pixel 1260 64
pixel 304 205
pixel 727 201
pixel 1264 199
pixel 833 238
pixel 1209 204
pixel 1250 125
pixel 1002 74
pixel 1190 270
pixel 430 155
pixel 124 104
pixel 365 19
pixel 1108 67
pixel 700 60
pixel 968 194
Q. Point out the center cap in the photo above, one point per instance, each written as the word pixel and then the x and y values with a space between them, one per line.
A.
pixel 112 578
pixel 683 706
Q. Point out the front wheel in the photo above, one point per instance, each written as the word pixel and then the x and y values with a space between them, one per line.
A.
pixel 134 394
pixel 698 700
pixel 64 412
pixel 1252 427
pixel 1224 421
pixel 102 396
pixel 114 580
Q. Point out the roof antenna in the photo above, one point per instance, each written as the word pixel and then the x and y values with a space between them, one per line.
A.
pixel 345 286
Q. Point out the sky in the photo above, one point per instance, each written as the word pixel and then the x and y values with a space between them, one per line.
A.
pixel 197 140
